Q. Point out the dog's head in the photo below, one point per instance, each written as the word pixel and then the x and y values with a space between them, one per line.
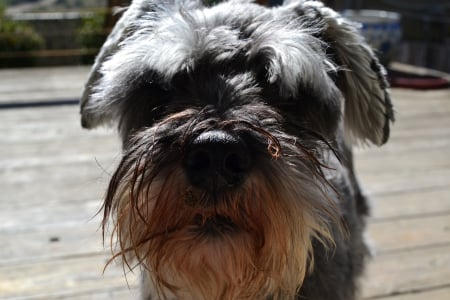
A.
pixel 228 115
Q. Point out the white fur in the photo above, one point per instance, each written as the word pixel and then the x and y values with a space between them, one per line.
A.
pixel 170 37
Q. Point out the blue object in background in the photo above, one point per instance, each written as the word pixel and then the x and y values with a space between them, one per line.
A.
pixel 381 29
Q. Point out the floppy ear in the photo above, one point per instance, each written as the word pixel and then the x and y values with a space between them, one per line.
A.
pixel 368 110
pixel 96 107
pixel 122 29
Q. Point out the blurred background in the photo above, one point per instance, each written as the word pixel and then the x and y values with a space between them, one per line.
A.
pixel 62 32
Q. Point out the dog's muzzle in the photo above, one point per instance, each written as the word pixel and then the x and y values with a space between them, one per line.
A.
pixel 217 161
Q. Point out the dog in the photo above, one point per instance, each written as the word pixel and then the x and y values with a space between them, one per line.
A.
pixel 237 123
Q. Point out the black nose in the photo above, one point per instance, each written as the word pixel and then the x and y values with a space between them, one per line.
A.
pixel 217 160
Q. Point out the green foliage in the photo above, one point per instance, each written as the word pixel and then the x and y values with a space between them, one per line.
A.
pixel 59 3
pixel 14 37
pixel 14 2
pixel 77 4
pixel 92 34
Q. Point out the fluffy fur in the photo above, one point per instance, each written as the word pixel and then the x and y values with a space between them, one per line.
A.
pixel 292 86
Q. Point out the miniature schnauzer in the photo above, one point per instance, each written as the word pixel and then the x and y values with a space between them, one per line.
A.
pixel 237 120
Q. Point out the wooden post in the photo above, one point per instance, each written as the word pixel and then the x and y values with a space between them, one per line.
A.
pixel 111 18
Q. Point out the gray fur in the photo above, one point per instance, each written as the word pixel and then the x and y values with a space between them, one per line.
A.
pixel 299 71
pixel 167 39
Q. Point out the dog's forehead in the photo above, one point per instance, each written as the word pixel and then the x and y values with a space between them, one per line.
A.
pixel 239 36
pixel 176 41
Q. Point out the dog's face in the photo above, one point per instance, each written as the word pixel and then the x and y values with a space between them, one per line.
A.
pixel 229 115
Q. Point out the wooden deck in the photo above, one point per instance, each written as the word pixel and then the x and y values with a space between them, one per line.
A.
pixel 53 174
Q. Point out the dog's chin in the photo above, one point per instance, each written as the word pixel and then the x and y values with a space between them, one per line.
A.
pixel 210 219
pixel 250 242
pixel 215 226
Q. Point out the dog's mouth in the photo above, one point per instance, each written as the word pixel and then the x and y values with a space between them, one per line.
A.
pixel 214 225
pixel 209 214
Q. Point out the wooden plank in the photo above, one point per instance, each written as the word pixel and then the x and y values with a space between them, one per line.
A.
pixel 17 167
pixel 406 271
pixel 425 113
pixel 40 117
pixel 56 213
pixel 411 203
pixel 24 135
pixel 76 181
pixel 407 234
pixel 35 153
pixel 412 101
pixel 68 276
pixel 105 293
pixel 433 294
pixel 400 181
pixel 59 241
pixel 413 109
pixel 435 158
pixel 42 84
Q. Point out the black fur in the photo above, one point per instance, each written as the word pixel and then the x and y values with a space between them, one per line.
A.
pixel 278 79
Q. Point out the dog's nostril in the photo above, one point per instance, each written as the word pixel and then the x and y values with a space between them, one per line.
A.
pixel 236 163
pixel 216 160
pixel 199 159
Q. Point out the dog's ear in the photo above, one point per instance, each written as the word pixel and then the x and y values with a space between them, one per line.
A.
pixel 91 118
pixel 95 106
pixel 361 78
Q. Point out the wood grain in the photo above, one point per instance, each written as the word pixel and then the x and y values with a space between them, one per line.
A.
pixel 53 175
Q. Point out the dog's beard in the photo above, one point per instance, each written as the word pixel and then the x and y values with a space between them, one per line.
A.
pixel 251 242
